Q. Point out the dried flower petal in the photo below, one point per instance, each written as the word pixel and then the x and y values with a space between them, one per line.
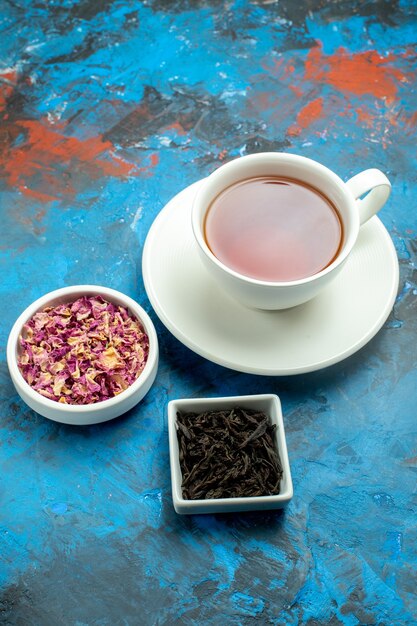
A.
pixel 82 352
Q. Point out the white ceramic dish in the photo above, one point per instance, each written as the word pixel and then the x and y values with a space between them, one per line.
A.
pixel 269 404
pixel 324 331
pixel 89 413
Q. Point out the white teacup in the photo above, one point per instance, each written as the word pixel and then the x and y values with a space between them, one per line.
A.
pixel 353 213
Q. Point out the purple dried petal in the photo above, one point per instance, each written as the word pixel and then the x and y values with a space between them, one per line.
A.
pixel 86 351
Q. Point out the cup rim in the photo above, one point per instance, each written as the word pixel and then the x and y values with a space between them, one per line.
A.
pixel 211 179
pixel 67 292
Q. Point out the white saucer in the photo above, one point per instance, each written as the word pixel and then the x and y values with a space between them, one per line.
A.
pixel 329 328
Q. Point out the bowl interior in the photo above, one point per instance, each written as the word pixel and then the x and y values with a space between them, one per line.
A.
pixel 68 295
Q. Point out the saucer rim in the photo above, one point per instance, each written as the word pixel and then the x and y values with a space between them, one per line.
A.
pixel 260 371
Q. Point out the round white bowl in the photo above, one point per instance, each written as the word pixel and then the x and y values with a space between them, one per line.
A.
pixel 96 412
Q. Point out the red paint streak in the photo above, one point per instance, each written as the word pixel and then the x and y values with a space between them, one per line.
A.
pixel 10 75
pixel 308 114
pixel 297 90
pixel 37 195
pixel 361 73
pixel 365 117
pixel 154 158
pixel 177 127
pixel 275 67
pixel 8 79
pixel 281 68
pixel 47 163
pixel 6 91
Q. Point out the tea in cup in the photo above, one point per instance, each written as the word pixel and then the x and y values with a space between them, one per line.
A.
pixel 275 228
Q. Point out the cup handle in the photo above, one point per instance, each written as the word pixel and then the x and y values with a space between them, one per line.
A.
pixel 377 187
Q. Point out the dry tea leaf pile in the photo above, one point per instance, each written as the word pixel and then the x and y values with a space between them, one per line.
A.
pixel 228 454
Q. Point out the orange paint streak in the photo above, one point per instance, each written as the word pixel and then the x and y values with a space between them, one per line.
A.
pixel 6 91
pixel 361 73
pixel 276 65
pixel 37 195
pixel 176 126
pixel 44 165
pixel 311 112
pixel 297 90
pixel 365 117
pixel 10 75
pixel 38 159
pixel 154 158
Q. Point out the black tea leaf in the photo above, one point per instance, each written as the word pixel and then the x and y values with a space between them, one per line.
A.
pixel 228 454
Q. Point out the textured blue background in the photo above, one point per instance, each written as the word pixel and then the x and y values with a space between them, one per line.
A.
pixel 107 109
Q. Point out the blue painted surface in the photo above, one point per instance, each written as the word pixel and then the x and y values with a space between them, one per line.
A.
pixel 107 109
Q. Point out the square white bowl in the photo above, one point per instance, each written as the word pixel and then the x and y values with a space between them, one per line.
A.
pixel 270 405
